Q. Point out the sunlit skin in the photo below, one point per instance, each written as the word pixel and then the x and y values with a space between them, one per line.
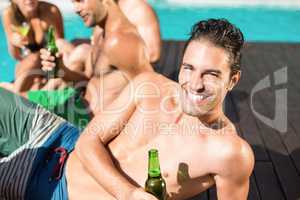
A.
pixel 141 15
pixel 194 153
pixel 117 55
pixel 91 11
pixel 205 79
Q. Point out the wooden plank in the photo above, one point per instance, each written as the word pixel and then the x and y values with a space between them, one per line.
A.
pixel 247 125
pixel 252 135
pixel 283 165
pixel 241 97
pixel 292 143
pixel 290 139
pixel 290 54
pixel 293 126
pixel 170 67
pixel 285 170
pixel 179 58
pixel 267 182
pixel 160 64
pixel 212 193
pixel 253 190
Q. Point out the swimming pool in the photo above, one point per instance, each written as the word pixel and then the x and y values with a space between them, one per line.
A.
pixel 257 23
pixel 261 24
pixel 74 28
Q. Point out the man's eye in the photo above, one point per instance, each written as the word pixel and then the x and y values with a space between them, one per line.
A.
pixel 187 67
pixel 213 74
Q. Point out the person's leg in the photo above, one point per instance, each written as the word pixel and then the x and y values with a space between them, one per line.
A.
pixel 7 86
pixel 26 72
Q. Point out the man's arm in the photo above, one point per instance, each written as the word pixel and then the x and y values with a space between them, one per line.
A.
pixel 91 146
pixel 235 168
pixel 148 26
pixel 143 17
pixel 14 51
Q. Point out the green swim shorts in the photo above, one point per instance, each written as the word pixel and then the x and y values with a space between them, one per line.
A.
pixel 16 120
pixel 66 103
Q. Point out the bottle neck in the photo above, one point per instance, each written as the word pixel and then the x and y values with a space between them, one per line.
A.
pixel 153 164
pixel 50 36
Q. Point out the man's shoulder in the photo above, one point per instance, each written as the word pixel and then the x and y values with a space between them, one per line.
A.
pixel 235 157
pixel 123 37
pixel 152 77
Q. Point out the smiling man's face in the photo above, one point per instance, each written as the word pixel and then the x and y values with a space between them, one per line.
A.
pixel 204 78
pixel 92 12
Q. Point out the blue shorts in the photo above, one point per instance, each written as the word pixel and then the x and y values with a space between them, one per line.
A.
pixel 48 181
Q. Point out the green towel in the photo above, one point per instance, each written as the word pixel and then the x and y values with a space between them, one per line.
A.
pixel 66 103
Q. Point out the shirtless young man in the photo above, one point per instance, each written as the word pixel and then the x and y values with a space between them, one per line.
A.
pixel 118 53
pixel 142 16
pixel 197 143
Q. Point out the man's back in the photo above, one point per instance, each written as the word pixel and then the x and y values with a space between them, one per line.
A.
pixel 189 151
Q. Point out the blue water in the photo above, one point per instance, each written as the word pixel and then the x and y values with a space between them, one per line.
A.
pixel 73 26
pixel 257 24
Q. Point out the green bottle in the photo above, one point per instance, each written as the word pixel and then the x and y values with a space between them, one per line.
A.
pixel 155 184
pixel 52 48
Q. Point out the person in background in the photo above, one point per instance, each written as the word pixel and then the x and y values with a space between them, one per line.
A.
pixel 26 24
pixel 141 15
pixel 117 52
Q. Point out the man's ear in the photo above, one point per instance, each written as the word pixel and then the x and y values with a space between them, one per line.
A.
pixel 234 79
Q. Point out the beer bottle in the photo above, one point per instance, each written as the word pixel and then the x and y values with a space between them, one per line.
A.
pixel 52 48
pixel 155 184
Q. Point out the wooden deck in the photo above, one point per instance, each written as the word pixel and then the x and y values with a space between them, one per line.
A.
pixel 277 169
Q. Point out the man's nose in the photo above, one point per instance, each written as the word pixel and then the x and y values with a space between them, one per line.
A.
pixel 196 83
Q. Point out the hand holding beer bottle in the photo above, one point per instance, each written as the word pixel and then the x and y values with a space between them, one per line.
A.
pixel 50 56
pixel 155 184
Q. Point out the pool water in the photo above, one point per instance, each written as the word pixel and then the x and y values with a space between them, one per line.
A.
pixel 74 28
pixel 258 24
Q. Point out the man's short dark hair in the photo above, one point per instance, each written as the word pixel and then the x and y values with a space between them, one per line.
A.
pixel 223 34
